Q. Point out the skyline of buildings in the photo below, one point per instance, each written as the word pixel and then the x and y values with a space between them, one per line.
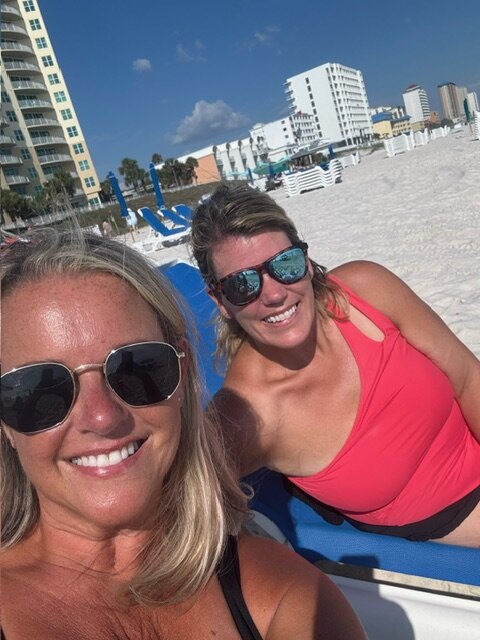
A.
pixel 416 104
pixel 40 133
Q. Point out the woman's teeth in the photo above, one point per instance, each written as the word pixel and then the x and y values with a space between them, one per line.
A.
pixel 282 316
pixel 108 459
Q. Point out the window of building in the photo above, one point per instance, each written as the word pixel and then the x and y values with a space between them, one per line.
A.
pixel 18 135
pixel 66 114
pixel 35 24
pixel 11 117
pixel 84 165
pixel 25 154
pixel 38 189
pixel 72 132
pixel 29 5
pixel 307 80
pixel 94 201
pixel 78 148
pixel 60 96
pixel 89 182
pixel 32 173
pixel 53 78
pixel 41 43
pixel 47 61
pixel 5 96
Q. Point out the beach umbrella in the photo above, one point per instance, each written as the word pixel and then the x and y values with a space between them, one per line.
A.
pixel 249 175
pixel 156 186
pixel 468 115
pixel 271 170
pixel 118 194
pixel 331 152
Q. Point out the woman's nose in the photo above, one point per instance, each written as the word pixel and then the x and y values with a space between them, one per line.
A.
pixel 97 407
pixel 273 292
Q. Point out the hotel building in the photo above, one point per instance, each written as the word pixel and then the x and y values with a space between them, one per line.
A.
pixel 39 129
pixel 335 96
pixel 451 99
pixel 417 106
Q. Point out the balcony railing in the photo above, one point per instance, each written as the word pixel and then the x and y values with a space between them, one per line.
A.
pixel 9 27
pixel 9 159
pixel 10 10
pixel 15 46
pixel 28 84
pixel 33 104
pixel 41 122
pixel 7 140
pixel 17 179
pixel 39 140
pixel 54 157
pixel 16 65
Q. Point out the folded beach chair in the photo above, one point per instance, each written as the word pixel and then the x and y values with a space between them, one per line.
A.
pixel 171 236
pixel 184 211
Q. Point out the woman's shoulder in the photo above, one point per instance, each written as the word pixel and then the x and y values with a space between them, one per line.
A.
pixel 290 597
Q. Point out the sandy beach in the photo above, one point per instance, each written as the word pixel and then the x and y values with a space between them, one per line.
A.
pixel 417 213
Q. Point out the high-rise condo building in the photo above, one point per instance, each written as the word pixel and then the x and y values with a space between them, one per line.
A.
pixel 336 97
pixel 451 99
pixel 39 129
pixel 416 105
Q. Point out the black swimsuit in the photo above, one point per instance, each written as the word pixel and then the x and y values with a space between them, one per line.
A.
pixel 228 574
pixel 229 577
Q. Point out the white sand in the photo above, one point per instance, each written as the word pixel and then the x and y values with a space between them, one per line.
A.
pixel 417 213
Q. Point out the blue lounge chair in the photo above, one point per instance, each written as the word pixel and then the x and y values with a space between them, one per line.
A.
pixel 184 211
pixel 173 216
pixel 171 235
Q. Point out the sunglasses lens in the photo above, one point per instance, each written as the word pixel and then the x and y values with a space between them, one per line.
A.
pixel 242 287
pixel 288 267
pixel 37 397
pixel 143 374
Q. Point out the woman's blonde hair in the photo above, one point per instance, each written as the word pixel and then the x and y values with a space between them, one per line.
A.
pixel 242 211
pixel 201 502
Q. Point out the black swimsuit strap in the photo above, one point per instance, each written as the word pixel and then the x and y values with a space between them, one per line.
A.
pixel 228 573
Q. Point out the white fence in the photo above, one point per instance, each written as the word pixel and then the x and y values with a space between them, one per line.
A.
pixel 476 124
pixel 408 141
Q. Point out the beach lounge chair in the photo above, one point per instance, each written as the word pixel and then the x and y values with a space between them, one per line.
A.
pixel 170 236
pixel 400 589
pixel 184 211
pixel 178 220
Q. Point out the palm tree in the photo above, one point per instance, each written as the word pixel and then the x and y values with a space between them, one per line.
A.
pixel 130 170
pixel 59 190
pixel 157 158
pixel 106 190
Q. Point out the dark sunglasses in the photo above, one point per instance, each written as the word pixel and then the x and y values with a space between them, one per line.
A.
pixel 40 396
pixel 242 287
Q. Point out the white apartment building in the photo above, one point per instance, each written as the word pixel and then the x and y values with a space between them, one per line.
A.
pixel 416 103
pixel 39 129
pixel 282 138
pixel 335 95
pixel 472 101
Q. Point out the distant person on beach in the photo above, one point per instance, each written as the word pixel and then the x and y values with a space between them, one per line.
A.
pixel 344 381
pixel 120 515
pixel 132 220
pixel 107 228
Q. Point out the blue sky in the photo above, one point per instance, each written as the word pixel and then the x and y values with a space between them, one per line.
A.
pixel 173 77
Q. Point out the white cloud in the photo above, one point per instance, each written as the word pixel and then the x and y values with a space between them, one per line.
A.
pixel 207 119
pixel 184 54
pixel 142 64
pixel 265 38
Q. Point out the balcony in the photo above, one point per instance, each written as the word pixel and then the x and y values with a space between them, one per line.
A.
pixel 54 157
pixel 41 122
pixel 10 12
pixel 16 65
pixel 28 84
pixel 35 104
pixel 16 47
pixel 9 27
pixel 17 180
pixel 8 160
pixel 40 140
pixel 7 140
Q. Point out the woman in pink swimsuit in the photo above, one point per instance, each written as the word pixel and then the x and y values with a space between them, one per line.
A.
pixel 345 382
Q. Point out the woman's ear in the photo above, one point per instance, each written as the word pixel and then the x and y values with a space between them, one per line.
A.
pixel 217 298
pixel 7 433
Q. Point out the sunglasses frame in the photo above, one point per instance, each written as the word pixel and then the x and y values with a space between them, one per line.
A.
pixel 82 368
pixel 261 269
